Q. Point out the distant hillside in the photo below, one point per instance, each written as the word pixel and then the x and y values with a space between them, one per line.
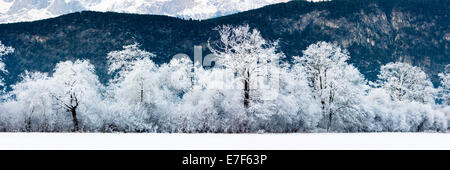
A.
pixel 375 33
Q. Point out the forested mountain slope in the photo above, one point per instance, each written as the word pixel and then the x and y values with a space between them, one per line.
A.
pixel 374 32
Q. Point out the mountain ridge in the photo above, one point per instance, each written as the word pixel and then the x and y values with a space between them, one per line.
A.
pixel 32 10
pixel 374 32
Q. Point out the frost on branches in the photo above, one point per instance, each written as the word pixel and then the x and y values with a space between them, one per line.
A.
pixel 251 89
pixel 336 86
pixel 246 53
pixel 66 101
pixel 445 82
pixel 406 83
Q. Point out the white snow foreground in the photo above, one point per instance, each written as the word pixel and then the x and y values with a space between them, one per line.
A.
pixel 372 141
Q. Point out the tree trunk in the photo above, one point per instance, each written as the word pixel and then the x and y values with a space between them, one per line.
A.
pixel 330 118
pixel 75 120
pixel 28 127
pixel 247 91
pixel 142 95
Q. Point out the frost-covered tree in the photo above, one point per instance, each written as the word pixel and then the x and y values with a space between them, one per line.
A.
pixel 4 50
pixel 335 84
pixel 404 101
pixel 124 59
pixel 293 84
pixel 74 87
pixel 177 76
pixel 405 82
pixel 130 92
pixel 134 85
pixel 142 94
pixel 174 80
pixel 32 96
pixel 402 116
pixel 445 85
pixel 247 53
pixel 212 104
pixel 68 100
pixel 287 111
pixel 131 66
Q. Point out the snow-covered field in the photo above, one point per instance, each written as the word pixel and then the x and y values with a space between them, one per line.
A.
pixel 225 141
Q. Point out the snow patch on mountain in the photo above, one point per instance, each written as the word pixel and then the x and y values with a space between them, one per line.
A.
pixel 30 10
pixel 5 5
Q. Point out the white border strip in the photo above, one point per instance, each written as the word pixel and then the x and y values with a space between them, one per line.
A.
pixel 320 141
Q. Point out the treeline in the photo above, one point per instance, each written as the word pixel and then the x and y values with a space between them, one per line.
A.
pixel 249 89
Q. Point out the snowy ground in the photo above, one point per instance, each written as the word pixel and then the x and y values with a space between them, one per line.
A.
pixel 225 141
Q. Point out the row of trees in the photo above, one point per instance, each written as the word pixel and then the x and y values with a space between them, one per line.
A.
pixel 249 90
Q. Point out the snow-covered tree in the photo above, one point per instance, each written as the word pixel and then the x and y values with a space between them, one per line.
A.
pixel 402 116
pixel 4 50
pixel 32 94
pixel 75 87
pixel 151 91
pixel 174 80
pixel 335 84
pixel 247 54
pixel 123 60
pixel 404 101
pixel 41 103
pixel 405 82
pixel 134 85
pixel 295 89
pixel 133 71
pixel 29 105
pixel 130 92
pixel 445 85
pixel 177 76
pixel 212 104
